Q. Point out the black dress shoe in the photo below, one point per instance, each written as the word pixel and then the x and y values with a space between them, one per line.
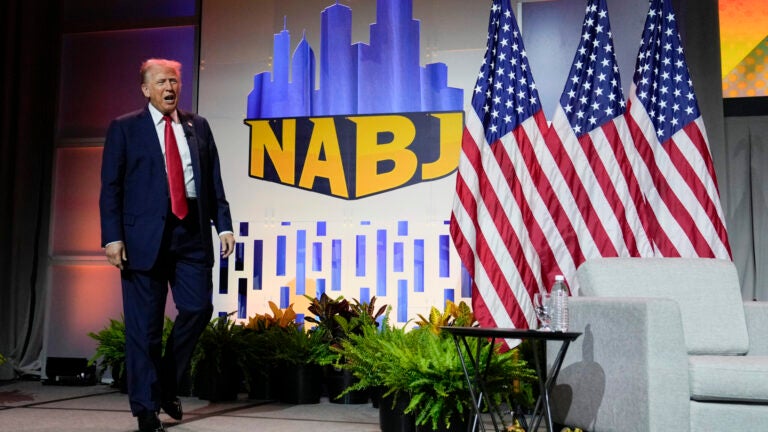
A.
pixel 149 422
pixel 173 408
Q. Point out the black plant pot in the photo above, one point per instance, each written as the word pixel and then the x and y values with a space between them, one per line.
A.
pixel 337 381
pixel 184 387
pixel 392 418
pixel 217 385
pixel 375 393
pixel 119 380
pixel 302 384
pixel 458 424
pixel 263 384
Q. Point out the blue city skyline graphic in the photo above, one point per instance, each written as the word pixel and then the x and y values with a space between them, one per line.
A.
pixel 384 76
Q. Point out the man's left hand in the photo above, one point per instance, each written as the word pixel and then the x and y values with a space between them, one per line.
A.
pixel 227 244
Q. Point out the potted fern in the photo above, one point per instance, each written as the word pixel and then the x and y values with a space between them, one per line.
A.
pixel 368 355
pixel 110 349
pixel 263 368
pixel 444 404
pixel 300 355
pixel 434 379
pixel 340 319
pixel 421 370
pixel 220 361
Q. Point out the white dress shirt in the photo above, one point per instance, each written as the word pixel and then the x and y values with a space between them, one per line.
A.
pixel 181 142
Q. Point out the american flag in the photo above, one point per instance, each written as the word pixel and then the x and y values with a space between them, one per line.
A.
pixel 664 121
pixel 497 212
pixel 608 178
pixel 596 200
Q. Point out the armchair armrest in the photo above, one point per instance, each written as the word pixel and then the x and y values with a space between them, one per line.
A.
pixel 629 369
pixel 756 314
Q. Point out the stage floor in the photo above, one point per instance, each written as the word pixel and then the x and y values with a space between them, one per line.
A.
pixel 32 406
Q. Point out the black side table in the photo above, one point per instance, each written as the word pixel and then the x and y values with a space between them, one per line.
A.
pixel 477 385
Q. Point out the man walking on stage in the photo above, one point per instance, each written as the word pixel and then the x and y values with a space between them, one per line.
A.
pixel 161 189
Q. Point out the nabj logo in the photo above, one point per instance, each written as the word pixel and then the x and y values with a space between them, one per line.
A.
pixel 377 121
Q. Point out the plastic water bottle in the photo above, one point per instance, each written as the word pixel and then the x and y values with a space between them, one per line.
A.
pixel 559 305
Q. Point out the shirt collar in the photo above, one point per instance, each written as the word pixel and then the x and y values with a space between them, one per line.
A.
pixel 157 116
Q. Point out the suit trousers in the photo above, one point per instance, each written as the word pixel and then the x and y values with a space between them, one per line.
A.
pixel 154 371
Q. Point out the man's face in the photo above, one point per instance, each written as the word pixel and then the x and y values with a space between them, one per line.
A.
pixel 162 85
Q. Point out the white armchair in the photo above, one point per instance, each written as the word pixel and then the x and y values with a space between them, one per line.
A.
pixel 667 345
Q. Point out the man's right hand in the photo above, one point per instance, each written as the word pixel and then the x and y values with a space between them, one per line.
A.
pixel 116 254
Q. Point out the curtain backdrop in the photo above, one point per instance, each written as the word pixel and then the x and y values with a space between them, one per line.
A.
pixel 746 200
pixel 30 43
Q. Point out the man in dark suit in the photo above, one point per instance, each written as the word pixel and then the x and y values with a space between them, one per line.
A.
pixel 161 189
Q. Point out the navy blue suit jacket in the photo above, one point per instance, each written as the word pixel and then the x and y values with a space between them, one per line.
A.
pixel 134 186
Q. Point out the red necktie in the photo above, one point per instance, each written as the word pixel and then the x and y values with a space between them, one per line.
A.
pixel 175 172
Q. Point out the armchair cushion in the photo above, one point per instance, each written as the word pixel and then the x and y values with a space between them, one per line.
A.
pixel 728 378
pixel 757 323
pixel 707 291
pixel 628 370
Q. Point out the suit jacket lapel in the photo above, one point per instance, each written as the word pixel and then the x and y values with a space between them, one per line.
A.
pixel 149 129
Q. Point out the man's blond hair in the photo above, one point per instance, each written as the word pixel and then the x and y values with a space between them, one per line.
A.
pixel 149 63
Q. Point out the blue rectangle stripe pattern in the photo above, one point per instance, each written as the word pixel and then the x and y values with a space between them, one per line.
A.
pixel 319 287
pixel 285 296
pixel 280 255
pixel 365 295
pixel 444 256
pixel 448 294
pixel 224 276
pixel 402 228
pixel 242 297
pixel 402 300
pixel 336 265
pixel 321 266
pixel 381 262
pixel 360 256
pixel 258 263
pixel 418 265
pixel 243 229
pixel 317 256
pixel 398 258
pixel 239 256
pixel 466 283
pixel 301 262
